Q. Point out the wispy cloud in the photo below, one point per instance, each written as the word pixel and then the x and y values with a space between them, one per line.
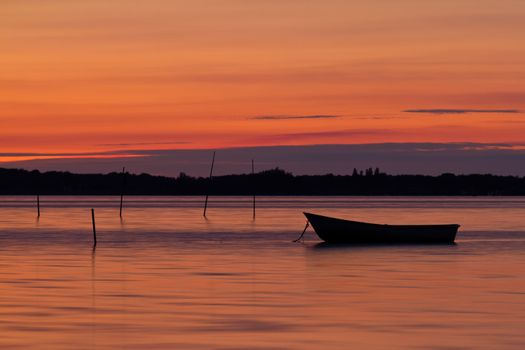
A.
pixel 323 136
pixel 145 143
pixel 283 117
pixel 67 155
pixel 459 111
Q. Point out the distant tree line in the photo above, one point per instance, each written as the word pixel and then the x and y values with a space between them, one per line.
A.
pixel 270 182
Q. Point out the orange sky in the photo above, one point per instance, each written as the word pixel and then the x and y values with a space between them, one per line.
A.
pixel 100 75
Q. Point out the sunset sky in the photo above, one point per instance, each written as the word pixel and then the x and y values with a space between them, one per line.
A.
pixel 95 78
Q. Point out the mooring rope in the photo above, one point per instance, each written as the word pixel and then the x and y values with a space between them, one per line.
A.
pixel 302 234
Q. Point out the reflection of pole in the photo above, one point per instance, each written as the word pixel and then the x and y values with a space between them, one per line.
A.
pixel 122 193
pixel 93 294
pixel 94 228
pixel 38 205
pixel 209 185
pixel 254 186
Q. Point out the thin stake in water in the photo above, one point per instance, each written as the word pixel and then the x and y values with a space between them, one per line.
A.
pixel 38 204
pixel 94 227
pixel 209 185
pixel 253 179
pixel 123 188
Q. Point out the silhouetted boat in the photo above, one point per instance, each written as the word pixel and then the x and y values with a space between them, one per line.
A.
pixel 333 230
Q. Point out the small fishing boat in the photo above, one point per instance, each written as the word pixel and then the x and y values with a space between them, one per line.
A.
pixel 333 230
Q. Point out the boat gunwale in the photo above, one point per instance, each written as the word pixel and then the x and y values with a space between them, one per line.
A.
pixel 371 225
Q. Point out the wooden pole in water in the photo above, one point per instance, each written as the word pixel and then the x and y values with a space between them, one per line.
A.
pixel 209 185
pixel 38 205
pixel 253 179
pixel 94 228
pixel 123 186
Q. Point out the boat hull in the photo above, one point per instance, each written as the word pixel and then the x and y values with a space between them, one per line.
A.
pixel 333 230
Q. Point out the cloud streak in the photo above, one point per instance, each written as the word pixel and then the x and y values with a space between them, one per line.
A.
pixel 459 111
pixel 284 117
pixel 145 143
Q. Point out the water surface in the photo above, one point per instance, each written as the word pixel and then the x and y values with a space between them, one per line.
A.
pixel 164 277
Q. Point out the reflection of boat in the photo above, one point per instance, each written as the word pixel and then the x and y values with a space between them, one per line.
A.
pixel 334 230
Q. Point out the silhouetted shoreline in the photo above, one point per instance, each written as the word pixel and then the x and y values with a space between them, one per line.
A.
pixel 270 182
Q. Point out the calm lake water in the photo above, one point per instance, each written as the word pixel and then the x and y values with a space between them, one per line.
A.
pixel 166 278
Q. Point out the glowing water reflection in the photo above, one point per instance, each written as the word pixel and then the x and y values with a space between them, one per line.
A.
pixel 166 278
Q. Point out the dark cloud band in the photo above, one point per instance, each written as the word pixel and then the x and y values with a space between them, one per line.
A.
pixel 460 111
pixel 395 158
